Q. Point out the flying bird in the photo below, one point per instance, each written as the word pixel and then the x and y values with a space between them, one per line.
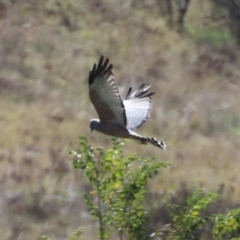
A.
pixel 118 117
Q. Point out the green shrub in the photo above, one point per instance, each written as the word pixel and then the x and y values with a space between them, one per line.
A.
pixel 227 225
pixel 118 188
pixel 188 218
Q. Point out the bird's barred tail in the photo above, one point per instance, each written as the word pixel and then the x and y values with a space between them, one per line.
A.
pixel 156 143
pixel 146 140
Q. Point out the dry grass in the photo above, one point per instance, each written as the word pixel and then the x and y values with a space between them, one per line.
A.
pixel 46 53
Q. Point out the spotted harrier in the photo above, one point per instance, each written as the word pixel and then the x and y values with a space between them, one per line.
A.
pixel 118 117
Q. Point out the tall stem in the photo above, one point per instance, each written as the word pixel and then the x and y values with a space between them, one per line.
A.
pixel 99 203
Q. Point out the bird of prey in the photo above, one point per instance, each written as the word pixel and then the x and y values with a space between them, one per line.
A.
pixel 118 117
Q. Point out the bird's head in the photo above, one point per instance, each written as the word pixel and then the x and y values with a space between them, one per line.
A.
pixel 94 124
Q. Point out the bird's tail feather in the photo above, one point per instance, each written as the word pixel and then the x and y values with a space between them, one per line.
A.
pixel 146 140
pixel 157 143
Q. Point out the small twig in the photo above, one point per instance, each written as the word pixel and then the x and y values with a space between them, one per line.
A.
pixel 169 12
pixel 182 8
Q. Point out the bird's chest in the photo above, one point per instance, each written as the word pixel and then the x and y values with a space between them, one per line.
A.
pixel 115 130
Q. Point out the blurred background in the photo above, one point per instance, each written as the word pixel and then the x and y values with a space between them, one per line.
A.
pixel 187 50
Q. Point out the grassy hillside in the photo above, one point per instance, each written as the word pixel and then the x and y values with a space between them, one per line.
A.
pixel 47 49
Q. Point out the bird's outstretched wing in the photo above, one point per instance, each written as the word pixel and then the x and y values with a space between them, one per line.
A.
pixel 104 94
pixel 137 106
